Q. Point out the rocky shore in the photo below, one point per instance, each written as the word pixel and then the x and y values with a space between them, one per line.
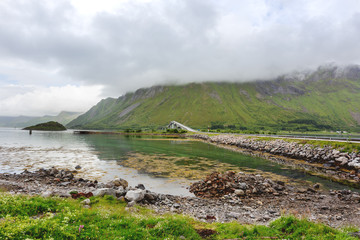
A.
pixel 230 196
pixel 325 161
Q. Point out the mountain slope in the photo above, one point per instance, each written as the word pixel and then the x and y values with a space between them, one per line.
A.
pixel 326 98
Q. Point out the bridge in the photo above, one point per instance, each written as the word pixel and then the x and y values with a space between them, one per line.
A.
pixel 176 125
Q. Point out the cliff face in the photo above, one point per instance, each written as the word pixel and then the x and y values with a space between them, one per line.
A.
pixel 322 99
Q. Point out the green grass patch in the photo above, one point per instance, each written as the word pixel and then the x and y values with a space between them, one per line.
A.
pixel 342 146
pixel 24 217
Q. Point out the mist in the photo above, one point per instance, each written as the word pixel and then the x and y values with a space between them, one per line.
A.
pixel 108 48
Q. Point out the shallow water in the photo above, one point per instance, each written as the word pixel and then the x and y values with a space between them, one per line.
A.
pixel 166 165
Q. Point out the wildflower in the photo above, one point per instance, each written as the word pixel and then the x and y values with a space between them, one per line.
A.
pixel 81 227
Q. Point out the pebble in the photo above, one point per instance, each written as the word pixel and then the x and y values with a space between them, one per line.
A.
pixel 239 192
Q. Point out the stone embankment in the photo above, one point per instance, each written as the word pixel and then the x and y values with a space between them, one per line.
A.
pixel 327 160
pixel 230 196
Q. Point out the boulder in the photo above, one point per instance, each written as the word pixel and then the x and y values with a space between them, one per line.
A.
pixel 117 182
pixel 150 197
pixel 104 191
pixel 135 195
pixel 357 165
pixel 120 192
pixel 140 186
pixel 85 202
pixel 342 160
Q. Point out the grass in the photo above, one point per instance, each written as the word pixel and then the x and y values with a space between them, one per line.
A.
pixel 25 217
pixel 342 146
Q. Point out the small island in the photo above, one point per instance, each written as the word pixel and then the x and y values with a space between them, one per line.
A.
pixel 48 126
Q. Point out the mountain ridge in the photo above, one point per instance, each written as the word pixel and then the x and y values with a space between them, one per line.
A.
pixel 322 99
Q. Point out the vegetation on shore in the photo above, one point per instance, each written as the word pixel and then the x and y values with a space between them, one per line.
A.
pixel 342 146
pixel 48 126
pixel 26 217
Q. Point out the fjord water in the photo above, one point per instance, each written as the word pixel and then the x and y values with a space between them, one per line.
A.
pixel 166 165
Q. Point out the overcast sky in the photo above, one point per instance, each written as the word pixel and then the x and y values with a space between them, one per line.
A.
pixel 68 54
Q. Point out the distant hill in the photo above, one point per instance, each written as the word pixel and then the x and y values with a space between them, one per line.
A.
pixel 63 117
pixel 327 98
pixel 48 126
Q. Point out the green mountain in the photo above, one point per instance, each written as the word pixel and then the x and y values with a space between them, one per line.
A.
pixel 328 98
pixel 63 117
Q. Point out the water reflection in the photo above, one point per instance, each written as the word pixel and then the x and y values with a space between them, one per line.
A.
pixel 181 158
pixel 165 165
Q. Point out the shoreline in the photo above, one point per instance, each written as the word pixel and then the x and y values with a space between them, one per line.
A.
pixel 318 167
pixel 129 134
pixel 337 170
pixel 336 208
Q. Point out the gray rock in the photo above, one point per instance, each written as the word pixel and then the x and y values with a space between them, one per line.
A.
pixel 356 197
pixel 233 215
pixel 65 195
pixel 150 197
pixel 239 192
pixel 335 152
pixel 65 184
pixel 140 186
pixel 247 208
pixel 47 194
pixel 242 186
pixel 86 202
pixel 135 195
pixel 342 160
pixel 78 167
pixel 120 182
pixel 120 192
pixel 104 191
pixel 357 165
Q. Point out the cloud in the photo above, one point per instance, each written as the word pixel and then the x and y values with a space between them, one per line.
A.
pixel 35 101
pixel 125 45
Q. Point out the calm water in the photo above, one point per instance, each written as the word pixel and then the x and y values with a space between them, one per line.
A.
pixel 164 165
